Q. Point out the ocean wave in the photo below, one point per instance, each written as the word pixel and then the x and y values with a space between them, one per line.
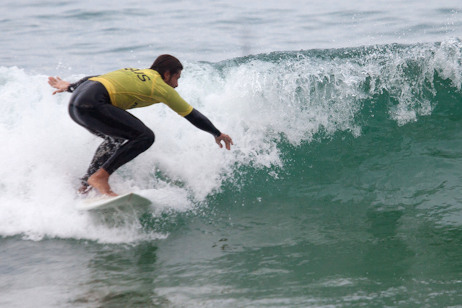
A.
pixel 317 116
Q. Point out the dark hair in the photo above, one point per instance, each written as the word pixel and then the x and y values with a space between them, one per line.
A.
pixel 167 63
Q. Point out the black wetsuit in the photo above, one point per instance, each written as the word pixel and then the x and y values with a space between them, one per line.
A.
pixel 125 136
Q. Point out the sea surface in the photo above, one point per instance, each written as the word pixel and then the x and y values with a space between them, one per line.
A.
pixel 343 188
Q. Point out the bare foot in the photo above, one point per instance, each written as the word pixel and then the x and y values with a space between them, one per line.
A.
pixel 100 181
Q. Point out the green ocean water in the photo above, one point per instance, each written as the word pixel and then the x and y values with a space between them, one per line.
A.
pixel 342 191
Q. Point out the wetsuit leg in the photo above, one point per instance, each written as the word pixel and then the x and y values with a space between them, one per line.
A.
pixel 91 108
pixel 105 150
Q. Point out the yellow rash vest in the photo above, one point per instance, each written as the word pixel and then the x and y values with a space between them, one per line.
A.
pixel 133 88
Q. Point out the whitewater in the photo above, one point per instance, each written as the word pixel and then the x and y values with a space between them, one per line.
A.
pixel 266 100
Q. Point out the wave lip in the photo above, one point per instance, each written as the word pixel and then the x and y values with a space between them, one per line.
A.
pixel 269 103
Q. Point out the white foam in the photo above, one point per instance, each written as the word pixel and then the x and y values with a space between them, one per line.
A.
pixel 258 103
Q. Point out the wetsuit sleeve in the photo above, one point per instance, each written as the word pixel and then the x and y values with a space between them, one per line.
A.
pixel 202 122
pixel 75 85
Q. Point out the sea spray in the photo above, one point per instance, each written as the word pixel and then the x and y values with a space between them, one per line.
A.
pixel 265 102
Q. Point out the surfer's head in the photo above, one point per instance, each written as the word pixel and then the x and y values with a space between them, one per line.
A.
pixel 167 63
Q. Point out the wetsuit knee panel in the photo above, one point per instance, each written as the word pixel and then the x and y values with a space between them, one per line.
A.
pixel 148 137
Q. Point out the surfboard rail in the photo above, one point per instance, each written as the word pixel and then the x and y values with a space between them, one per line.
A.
pixel 106 202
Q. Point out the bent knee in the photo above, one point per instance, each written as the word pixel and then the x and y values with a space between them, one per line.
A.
pixel 147 138
pixel 151 137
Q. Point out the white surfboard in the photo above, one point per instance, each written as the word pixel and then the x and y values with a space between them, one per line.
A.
pixel 105 202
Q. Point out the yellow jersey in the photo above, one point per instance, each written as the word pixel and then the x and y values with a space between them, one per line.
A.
pixel 133 88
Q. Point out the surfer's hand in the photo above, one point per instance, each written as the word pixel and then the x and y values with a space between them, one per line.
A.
pixel 59 84
pixel 226 139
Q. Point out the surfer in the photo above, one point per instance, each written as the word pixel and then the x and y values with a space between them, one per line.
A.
pixel 99 104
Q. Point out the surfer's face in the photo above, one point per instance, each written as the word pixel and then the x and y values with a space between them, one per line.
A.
pixel 172 79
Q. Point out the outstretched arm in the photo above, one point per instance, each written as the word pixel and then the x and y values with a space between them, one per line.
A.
pixel 62 85
pixel 202 122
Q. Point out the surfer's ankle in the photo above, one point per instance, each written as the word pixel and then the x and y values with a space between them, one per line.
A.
pixel 99 174
pixel 100 181
pixel 103 188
